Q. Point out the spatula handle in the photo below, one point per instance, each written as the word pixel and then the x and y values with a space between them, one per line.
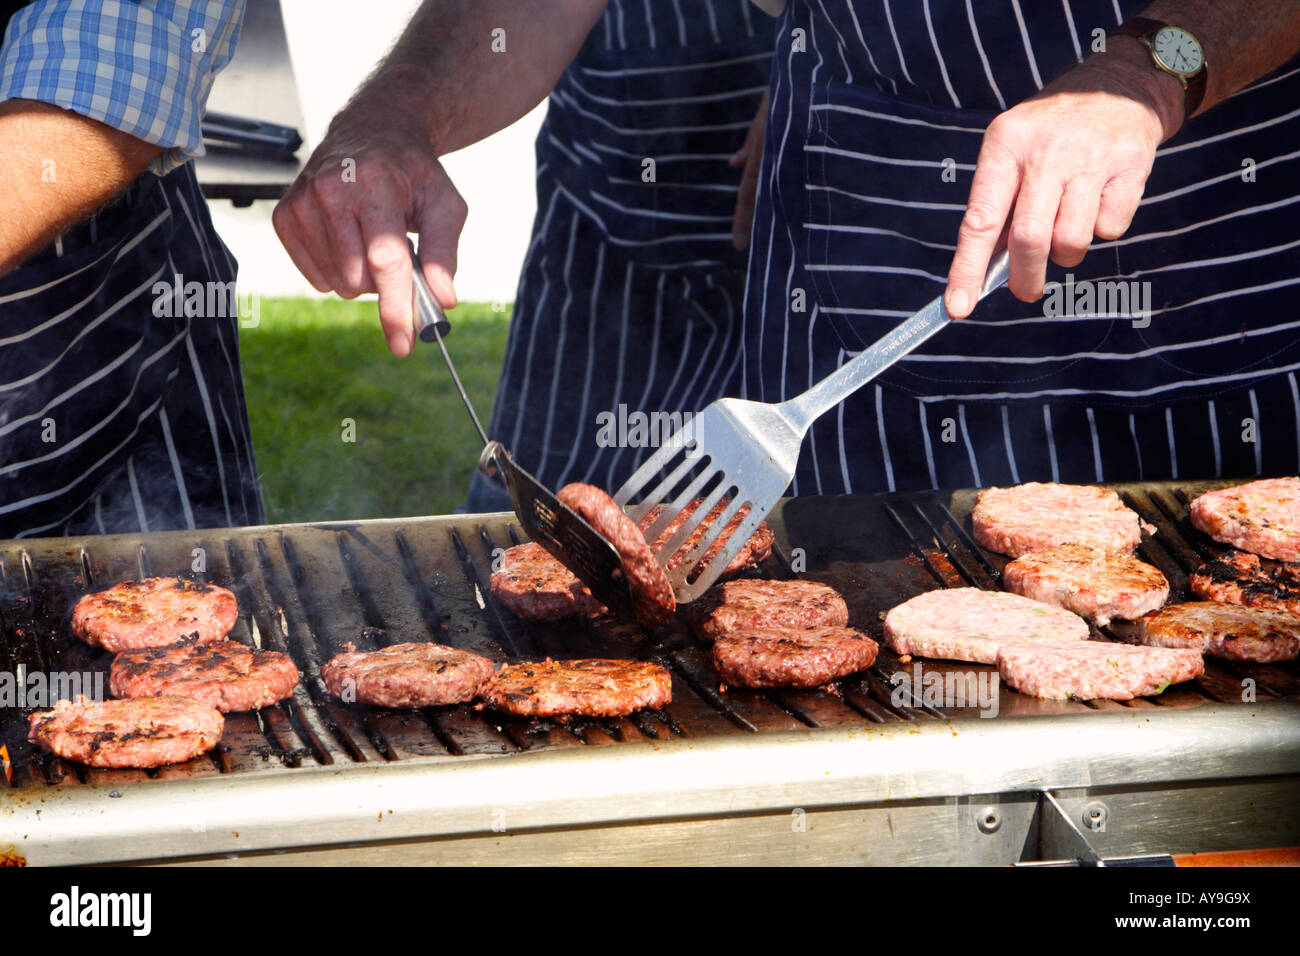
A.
pixel 804 409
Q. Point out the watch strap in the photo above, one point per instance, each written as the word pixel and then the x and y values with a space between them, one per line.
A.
pixel 1140 27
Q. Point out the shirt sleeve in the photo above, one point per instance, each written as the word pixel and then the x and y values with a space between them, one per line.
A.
pixel 773 7
pixel 144 67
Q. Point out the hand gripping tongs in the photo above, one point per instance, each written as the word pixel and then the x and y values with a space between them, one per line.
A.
pixel 553 525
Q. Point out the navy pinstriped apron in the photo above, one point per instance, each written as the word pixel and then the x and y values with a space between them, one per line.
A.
pixel 854 211
pixel 113 418
pixel 629 301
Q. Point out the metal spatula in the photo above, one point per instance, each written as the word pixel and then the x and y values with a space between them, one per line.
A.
pixel 744 453
pixel 544 517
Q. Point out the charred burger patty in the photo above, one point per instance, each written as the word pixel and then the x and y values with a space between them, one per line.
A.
pixel 1097 585
pixel 1239 578
pixel 138 732
pixel 227 675
pixel 592 687
pixel 154 612
pixel 1222 630
pixel 735 607
pixel 535 586
pixel 771 657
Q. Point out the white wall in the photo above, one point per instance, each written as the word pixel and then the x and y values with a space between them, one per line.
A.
pixel 334 45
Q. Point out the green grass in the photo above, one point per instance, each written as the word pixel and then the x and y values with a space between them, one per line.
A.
pixel 309 364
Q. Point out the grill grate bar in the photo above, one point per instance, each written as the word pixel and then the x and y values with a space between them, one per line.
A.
pixel 424 595
pixel 989 579
pixel 704 689
pixel 273 637
pixel 321 706
pixel 483 592
pixel 1189 553
pixel 315 629
pixel 994 573
pixel 375 618
pixel 917 548
pixel 462 729
pixel 47 652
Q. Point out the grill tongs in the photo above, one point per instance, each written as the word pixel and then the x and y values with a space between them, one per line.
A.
pixel 544 518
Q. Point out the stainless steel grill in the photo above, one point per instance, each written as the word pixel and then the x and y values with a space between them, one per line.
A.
pixel 310 772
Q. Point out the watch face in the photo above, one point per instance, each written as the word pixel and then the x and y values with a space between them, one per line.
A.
pixel 1178 51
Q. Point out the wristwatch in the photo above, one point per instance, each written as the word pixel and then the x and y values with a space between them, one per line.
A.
pixel 1174 51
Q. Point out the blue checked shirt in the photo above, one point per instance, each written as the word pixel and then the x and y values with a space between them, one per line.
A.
pixel 142 66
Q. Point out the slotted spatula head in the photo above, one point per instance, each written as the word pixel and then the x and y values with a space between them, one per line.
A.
pixel 559 530
pixel 745 453
pixel 760 449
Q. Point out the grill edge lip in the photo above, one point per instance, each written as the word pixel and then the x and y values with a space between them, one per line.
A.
pixel 674 780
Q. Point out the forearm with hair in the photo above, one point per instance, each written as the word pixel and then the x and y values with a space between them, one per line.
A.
pixel 56 168
pixel 444 77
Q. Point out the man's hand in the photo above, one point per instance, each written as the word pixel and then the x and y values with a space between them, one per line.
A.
pixel 750 158
pixel 1061 167
pixel 344 221
pixel 1072 162
pixel 461 71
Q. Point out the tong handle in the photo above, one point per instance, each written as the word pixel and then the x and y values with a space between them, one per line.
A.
pixel 431 326
pixel 430 322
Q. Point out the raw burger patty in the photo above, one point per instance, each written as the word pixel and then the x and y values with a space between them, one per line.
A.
pixel 757 548
pixel 154 612
pixel 1097 585
pixel 653 602
pixel 1222 630
pixel 1036 516
pixel 742 606
pixel 1093 670
pixel 1262 516
pixel 969 624
pixel 139 732
pixel 406 675
pixel 769 657
pixel 591 688
pixel 1239 578
pixel 537 587
pixel 227 675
